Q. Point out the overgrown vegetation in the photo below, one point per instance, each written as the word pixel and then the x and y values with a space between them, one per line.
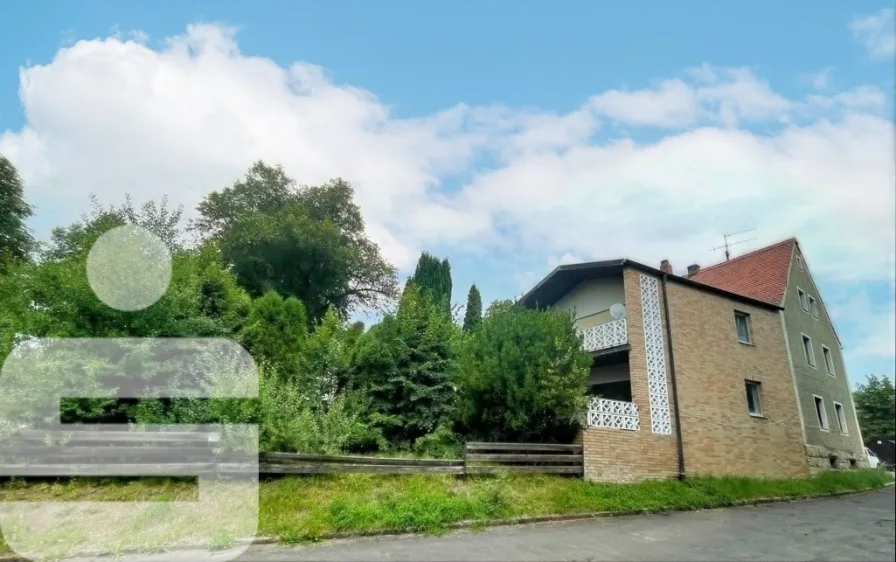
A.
pixel 303 509
pixel 281 269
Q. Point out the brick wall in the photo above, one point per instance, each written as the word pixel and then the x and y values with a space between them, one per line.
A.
pixel 623 456
pixel 719 435
pixel 614 455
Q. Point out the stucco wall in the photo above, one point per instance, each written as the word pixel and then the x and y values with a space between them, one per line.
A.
pixel 591 297
pixel 816 380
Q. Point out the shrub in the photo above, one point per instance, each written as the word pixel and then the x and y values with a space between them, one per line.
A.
pixel 521 376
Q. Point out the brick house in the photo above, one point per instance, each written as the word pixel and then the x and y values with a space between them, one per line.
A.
pixel 779 275
pixel 687 378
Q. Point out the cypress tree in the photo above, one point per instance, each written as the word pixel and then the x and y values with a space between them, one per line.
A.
pixel 432 278
pixel 473 315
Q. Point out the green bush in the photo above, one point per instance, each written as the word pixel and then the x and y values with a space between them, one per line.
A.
pixel 521 376
pixel 404 366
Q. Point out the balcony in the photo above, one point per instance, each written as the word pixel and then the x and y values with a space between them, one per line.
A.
pixel 605 336
pixel 613 414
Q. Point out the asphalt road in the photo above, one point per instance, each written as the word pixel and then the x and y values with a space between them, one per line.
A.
pixel 859 527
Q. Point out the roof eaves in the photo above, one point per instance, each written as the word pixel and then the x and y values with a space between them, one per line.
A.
pixel 571 267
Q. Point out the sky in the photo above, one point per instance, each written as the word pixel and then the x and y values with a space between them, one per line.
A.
pixel 507 136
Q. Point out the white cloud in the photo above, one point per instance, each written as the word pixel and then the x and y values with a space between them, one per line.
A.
pixel 115 115
pixel 672 104
pixel 820 80
pixel 877 32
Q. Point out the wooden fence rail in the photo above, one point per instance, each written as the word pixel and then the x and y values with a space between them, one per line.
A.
pixel 106 453
pixel 492 458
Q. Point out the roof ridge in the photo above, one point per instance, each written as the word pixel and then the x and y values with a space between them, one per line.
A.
pixel 792 239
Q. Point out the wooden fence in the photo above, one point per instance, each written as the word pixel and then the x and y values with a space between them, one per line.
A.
pixel 127 453
pixel 490 458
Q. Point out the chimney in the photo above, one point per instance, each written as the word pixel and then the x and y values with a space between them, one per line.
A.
pixel 692 269
pixel 666 267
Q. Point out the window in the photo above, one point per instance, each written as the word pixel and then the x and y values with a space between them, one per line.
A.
pixel 742 324
pixel 813 308
pixel 828 360
pixel 808 350
pixel 799 261
pixel 804 303
pixel 841 418
pixel 754 405
pixel 822 415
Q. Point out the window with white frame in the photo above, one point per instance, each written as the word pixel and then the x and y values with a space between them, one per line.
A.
pixel 799 261
pixel 828 360
pixel 804 302
pixel 808 350
pixel 813 306
pixel 841 418
pixel 754 398
pixel 821 414
pixel 742 325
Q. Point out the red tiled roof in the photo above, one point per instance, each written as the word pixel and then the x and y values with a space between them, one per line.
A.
pixel 761 274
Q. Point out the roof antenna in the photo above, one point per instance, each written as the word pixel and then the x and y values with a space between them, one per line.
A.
pixel 727 244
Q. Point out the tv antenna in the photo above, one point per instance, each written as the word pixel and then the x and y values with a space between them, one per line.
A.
pixel 727 244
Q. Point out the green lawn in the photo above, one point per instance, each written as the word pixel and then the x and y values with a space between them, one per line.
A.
pixel 297 509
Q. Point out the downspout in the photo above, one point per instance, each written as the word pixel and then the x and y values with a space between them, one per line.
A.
pixel 674 385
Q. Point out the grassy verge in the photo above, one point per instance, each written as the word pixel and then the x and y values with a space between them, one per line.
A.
pixel 307 508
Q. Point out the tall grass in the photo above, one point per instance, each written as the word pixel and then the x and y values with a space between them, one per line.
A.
pixel 295 509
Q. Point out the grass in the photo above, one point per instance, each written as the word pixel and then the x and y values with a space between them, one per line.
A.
pixel 297 509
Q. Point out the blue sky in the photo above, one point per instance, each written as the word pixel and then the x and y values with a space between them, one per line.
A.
pixel 508 136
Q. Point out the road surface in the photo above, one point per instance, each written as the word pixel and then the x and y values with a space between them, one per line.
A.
pixel 859 527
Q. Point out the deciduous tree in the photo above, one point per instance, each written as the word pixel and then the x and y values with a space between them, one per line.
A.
pixel 875 402
pixel 308 243
pixel 16 242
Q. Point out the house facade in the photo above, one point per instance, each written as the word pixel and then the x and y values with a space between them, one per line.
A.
pixel 779 274
pixel 686 379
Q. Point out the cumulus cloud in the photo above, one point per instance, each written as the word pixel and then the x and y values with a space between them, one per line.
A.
pixel 115 115
pixel 877 32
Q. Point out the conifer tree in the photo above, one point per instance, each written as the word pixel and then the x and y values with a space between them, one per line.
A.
pixel 473 314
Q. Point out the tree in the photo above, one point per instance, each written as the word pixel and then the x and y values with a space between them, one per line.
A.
pixel 875 403
pixel 473 313
pixel 432 278
pixel 16 242
pixel 53 298
pixel 275 332
pixel 308 243
pixel 404 365
pixel 521 376
pixel 156 218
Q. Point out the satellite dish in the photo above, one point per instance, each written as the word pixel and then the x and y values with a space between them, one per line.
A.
pixel 617 311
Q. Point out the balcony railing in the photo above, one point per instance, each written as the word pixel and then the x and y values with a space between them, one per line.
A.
pixel 614 414
pixel 605 336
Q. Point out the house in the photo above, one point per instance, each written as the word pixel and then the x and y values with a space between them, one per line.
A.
pixel 687 378
pixel 779 275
